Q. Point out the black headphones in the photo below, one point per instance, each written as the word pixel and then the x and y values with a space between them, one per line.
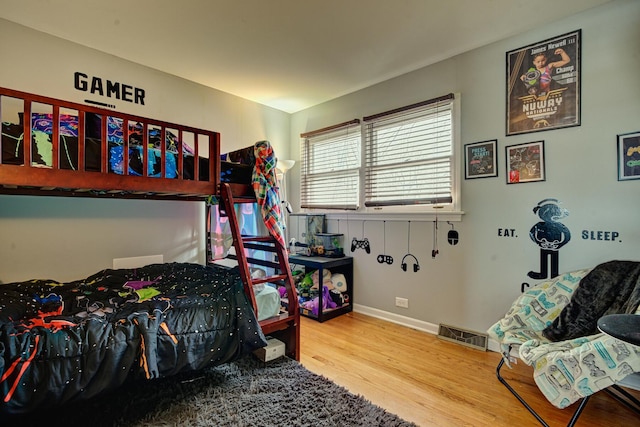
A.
pixel 416 266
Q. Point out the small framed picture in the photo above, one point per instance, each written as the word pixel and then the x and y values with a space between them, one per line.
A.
pixel 525 162
pixel 629 156
pixel 481 159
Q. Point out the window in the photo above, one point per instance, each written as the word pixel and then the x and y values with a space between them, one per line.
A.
pixel 409 155
pixel 406 164
pixel 331 161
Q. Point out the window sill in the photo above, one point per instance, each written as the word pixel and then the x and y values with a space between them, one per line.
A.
pixel 453 216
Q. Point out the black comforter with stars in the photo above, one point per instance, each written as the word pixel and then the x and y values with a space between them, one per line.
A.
pixel 61 342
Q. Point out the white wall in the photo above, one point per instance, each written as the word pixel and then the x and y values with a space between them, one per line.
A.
pixel 69 238
pixel 472 284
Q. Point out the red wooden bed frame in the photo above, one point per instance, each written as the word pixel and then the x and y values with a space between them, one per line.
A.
pixel 27 179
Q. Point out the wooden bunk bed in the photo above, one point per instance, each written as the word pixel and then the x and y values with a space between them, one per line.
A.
pixel 58 148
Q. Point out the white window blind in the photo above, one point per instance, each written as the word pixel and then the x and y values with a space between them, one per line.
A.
pixel 409 155
pixel 331 167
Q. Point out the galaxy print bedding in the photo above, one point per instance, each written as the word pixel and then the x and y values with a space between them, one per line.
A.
pixel 42 153
pixel 236 166
pixel 61 342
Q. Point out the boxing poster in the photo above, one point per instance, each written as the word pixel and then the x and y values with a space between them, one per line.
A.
pixel 543 85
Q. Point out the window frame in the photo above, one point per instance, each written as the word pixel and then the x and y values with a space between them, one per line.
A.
pixel 452 209
pixel 347 131
pixel 455 161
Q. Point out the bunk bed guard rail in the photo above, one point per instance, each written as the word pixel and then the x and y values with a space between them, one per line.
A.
pixel 82 150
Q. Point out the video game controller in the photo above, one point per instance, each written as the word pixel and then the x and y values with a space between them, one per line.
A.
pixel 354 244
pixel 364 244
pixel 385 258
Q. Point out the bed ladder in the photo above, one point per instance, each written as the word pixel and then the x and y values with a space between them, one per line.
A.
pixel 286 326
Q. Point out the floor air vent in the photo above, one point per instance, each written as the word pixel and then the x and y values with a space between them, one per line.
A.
pixel 462 336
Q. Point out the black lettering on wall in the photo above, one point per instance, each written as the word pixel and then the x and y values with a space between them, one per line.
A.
pixel 107 88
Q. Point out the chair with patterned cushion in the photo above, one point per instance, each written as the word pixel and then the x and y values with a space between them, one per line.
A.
pixel 553 327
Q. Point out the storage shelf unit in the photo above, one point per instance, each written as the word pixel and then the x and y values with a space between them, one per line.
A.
pixel 343 265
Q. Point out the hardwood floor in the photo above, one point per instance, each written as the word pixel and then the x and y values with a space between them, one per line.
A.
pixel 433 382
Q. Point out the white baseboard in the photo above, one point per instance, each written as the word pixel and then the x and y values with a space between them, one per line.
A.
pixel 396 318
pixel 409 322
pixel 494 346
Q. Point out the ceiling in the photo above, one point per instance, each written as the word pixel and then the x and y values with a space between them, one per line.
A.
pixel 287 54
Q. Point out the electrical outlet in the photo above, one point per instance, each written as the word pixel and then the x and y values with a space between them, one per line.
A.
pixel 402 302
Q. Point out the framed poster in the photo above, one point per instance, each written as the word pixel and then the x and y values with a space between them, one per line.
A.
pixel 481 159
pixel 629 156
pixel 543 85
pixel 525 162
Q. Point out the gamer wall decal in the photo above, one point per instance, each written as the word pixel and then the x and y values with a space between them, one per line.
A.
pixel 104 88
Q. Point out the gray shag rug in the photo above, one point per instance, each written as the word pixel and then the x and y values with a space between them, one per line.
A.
pixel 242 393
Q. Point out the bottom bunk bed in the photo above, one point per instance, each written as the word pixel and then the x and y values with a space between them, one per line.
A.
pixel 61 342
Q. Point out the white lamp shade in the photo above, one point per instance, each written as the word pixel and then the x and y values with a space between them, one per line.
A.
pixel 285 165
